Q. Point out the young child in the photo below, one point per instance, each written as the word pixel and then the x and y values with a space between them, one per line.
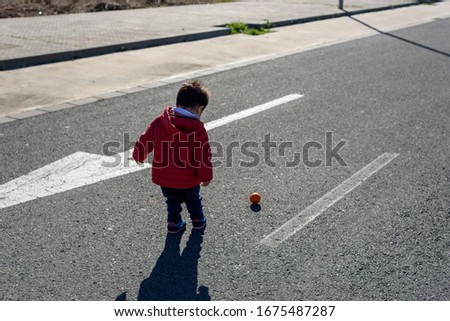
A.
pixel 182 155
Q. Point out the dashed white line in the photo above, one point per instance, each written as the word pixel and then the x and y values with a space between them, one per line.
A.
pixel 306 216
pixel 251 111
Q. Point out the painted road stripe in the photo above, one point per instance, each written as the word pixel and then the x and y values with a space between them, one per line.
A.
pixel 81 169
pixel 251 111
pixel 306 216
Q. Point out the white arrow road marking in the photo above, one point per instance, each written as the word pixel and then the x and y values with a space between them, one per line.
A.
pixel 318 207
pixel 81 169
pixel 76 170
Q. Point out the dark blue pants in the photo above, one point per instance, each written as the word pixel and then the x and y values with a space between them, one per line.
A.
pixel 175 197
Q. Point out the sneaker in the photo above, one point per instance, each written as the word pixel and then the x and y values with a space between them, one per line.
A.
pixel 198 223
pixel 176 227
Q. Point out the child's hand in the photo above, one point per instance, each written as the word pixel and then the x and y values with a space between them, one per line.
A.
pixel 206 183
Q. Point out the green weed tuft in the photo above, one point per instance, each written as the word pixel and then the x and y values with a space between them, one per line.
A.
pixel 240 27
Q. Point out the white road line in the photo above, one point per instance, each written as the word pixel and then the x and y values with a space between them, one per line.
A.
pixel 251 111
pixel 306 216
pixel 81 169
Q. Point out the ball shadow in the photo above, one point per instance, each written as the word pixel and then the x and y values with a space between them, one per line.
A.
pixel 255 208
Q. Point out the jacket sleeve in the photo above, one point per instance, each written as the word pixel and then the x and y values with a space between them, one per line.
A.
pixel 205 169
pixel 144 145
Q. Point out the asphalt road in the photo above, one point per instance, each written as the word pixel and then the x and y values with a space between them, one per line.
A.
pixel 386 240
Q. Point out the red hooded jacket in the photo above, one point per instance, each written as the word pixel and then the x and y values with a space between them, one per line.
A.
pixel 182 154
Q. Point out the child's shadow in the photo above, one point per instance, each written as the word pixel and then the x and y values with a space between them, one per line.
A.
pixel 175 275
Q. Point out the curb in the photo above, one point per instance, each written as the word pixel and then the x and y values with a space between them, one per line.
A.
pixel 23 62
pixel 344 13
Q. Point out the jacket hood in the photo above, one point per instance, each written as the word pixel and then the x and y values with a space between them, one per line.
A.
pixel 176 123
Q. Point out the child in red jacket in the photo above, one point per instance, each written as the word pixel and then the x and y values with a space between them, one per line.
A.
pixel 182 155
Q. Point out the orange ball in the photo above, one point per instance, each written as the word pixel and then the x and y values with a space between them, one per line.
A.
pixel 255 198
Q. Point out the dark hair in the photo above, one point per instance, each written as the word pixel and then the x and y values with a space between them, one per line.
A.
pixel 193 93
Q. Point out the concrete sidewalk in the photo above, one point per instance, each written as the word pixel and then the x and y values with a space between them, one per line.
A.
pixel 46 39
pixel 27 92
